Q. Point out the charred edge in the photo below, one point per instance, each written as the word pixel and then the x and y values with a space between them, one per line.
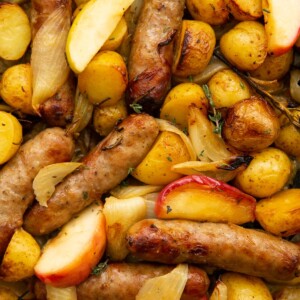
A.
pixel 168 41
pixel 115 144
pixel 185 45
pixel 236 163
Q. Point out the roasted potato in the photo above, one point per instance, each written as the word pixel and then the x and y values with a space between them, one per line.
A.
pixel 20 257
pixel 266 174
pixel 15 31
pixel 16 88
pixel 251 125
pixel 227 88
pixel 193 48
pixel 245 10
pixel 105 118
pixel 280 214
pixel 245 45
pixel 213 12
pixel 178 100
pixel 168 150
pixel 274 67
pixel 240 286
pixel 104 79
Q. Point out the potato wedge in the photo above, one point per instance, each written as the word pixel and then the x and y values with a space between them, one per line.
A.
pixel 15 31
pixel 245 10
pixel 280 214
pixel 104 79
pixel 20 257
pixel 240 286
pixel 193 48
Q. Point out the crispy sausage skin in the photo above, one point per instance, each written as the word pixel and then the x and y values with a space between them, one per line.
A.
pixel 122 281
pixel 58 109
pixel 103 168
pixel 151 54
pixel 225 246
pixel 16 177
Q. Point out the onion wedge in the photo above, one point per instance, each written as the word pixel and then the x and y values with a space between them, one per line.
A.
pixel 166 287
pixel 130 191
pixel 48 177
pixel 54 293
pixel 48 61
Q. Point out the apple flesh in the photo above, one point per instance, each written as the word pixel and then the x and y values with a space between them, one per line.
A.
pixel 202 198
pixel 282 24
pixel 69 258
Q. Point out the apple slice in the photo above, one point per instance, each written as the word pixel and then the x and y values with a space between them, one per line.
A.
pixel 69 258
pixel 202 198
pixel 282 24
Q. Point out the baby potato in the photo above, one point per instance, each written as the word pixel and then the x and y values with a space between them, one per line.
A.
pixel 20 257
pixel 240 286
pixel 251 125
pixel 117 36
pixel 178 100
pixel 245 10
pixel 227 88
pixel 104 79
pixel 10 136
pixel 168 150
pixel 15 31
pixel 193 48
pixel 16 87
pixel 213 12
pixel 266 174
pixel 274 67
pixel 280 214
pixel 245 45
pixel 105 118
pixel 288 140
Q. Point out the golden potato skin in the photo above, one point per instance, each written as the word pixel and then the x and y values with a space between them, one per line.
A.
pixel 280 214
pixel 267 173
pixel 251 125
pixel 16 87
pixel 193 48
pixel 245 45
pixel 245 10
pixel 227 88
pixel 274 67
pixel 241 286
pixel 213 12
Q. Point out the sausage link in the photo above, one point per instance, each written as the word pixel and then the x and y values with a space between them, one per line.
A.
pixel 103 168
pixel 151 54
pixel 16 177
pixel 225 246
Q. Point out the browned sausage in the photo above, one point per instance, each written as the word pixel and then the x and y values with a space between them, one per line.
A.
pixel 104 167
pixel 122 281
pixel 58 109
pixel 151 54
pixel 225 246
pixel 16 177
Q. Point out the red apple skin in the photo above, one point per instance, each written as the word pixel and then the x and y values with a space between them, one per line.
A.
pixel 204 183
pixel 80 268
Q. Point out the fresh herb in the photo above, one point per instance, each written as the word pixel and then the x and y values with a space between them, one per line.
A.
pixel 169 158
pixel 124 183
pixel 85 195
pixel 191 78
pixel 130 170
pixel 242 85
pixel 169 209
pixel 136 107
pixel 185 131
pixel 216 117
pixel 100 268
pixel 201 153
pixel 266 10
pixel 213 7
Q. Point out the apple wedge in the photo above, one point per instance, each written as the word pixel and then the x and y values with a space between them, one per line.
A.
pixel 69 258
pixel 91 28
pixel 282 24
pixel 202 198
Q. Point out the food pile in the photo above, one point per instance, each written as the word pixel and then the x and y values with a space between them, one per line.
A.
pixel 149 149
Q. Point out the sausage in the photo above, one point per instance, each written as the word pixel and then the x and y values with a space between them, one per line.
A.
pixel 16 177
pixel 103 168
pixel 151 55
pixel 122 281
pixel 225 246
pixel 58 109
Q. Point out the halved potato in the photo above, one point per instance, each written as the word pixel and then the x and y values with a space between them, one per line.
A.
pixel 245 10
pixel 15 31
pixel 193 48
pixel 20 257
